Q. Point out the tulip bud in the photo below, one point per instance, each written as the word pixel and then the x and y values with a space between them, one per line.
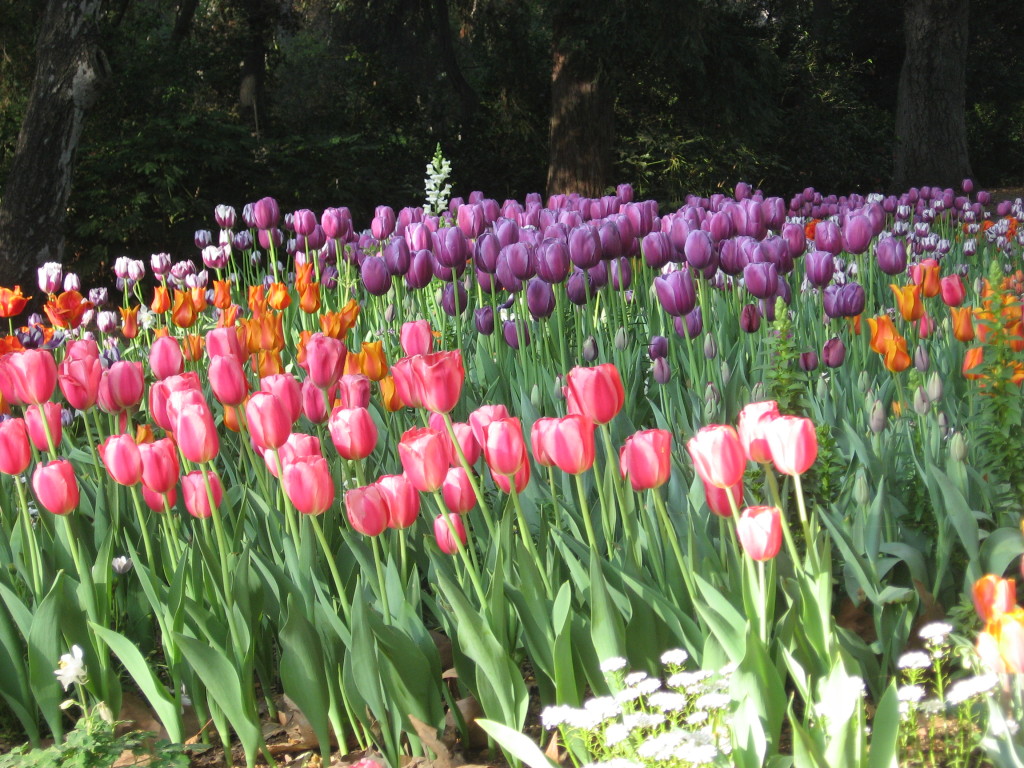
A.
pixel 943 425
pixel 834 352
pixel 921 360
pixel 661 371
pixel 861 492
pixel 726 373
pixel 863 382
pixel 877 420
pixel 921 403
pixel 821 389
pixel 958 447
pixel 710 348
pixel 621 339
pixel 590 349
pixel 934 387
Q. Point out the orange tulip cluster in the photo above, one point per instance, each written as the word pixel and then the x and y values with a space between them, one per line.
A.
pixel 1001 643
pixel 1000 325
pixel 887 341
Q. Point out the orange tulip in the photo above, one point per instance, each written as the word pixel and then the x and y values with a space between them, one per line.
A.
pixel 161 300
pixel 882 330
pixel 193 347
pixel 130 322
pixel 908 299
pixel 809 228
pixel 278 296
pixel 184 313
pixel 389 395
pixel 10 344
pixel 855 324
pixel 159 333
pixel 372 362
pixel 338 324
pixel 896 357
pixel 926 275
pixel 303 276
pixel 309 298
pixel 963 328
pixel 973 359
pixel 1001 644
pixel 12 302
pixel 353 363
pixel 268 363
pixel 994 595
pixel 257 299
pixel 199 298
pixel 222 294
pixel 144 434
pixel 228 316
pixel 231 418
pixel 66 310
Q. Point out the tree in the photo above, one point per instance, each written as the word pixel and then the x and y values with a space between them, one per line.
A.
pixel 931 130
pixel 69 70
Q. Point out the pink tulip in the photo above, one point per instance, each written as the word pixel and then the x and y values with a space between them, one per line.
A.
pixel 125 383
pixel 646 459
pixel 28 376
pixel 538 440
pixel 445 540
pixel 162 390
pixel 308 483
pixel 224 341
pixel 197 500
pixel 483 416
pixel 424 458
pixel 36 430
pixel 193 425
pixel 402 500
pixel 314 405
pixel 458 491
pixel 718 455
pixel 570 443
pixel 160 468
pixel 15 453
pixel 366 509
pixel 155 501
pixel 438 379
pixel 793 443
pixel 165 357
pixel 325 360
pixel 752 421
pixel 760 532
pixel 288 390
pixel 79 374
pixel 269 422
pixel 353 432
pixel 504 446
pixel 718 498
pixel 596 392
pixel 953 291
pixel 56 486
pixel 354 390
pixel 406 384
pixel 227 380
pixel 416 338
pixel 122 458
pixel 521 479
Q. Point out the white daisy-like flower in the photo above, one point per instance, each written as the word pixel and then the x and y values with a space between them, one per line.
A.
pixel 914 660
pixel 648 686
pixel 616 734
pixel 932 706
pixel 688 680
pixel 643 720
pixel 552 717
pixel 912 693
pixel 634 677
pixel 663 745
pixel 628 694
pixel 697 718
pixel 605 707
pixel 614 664
pixel 71 668
pixel 667 701
pixel 583 719
pixel 969 687
pixel 935 632
pixel 698 754
pixel 675 656
pixel 713 701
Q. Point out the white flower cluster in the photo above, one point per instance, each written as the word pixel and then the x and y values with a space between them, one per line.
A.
pixel 438 191
pixel 647 722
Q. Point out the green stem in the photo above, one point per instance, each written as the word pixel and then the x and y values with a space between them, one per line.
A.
pixel 339 586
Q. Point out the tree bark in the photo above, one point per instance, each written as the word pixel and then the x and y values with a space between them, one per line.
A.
pixel 931 129
pixel 582 126
pixel 69 69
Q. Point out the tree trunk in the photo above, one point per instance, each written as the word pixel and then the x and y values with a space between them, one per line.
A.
pixel 468 99
pixel 582 122
pixel 931 129
pixel 69 68
pixel 261 16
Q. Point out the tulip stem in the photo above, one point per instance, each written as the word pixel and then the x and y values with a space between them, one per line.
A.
pixel 338 584
pixel 93 453
pixel 375 546
pixel 222 545
pixel 468 556
pixel 524 533
pixel 146 540
pixel 585 512
pixel 35 557
pixel 776 498
pixel 484 508
pixel 813 559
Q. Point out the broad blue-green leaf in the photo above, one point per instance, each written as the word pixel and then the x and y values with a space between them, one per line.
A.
pixel 517 744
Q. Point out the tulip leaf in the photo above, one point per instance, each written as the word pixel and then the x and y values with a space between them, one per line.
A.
pixel 606 625
pixel 517 744
pixel 142 673
pixel 44 650
pixel 302 674
pixel 757 683
pixel 885 731
pixel 725 622
pixel 14 671
pixel 1000 548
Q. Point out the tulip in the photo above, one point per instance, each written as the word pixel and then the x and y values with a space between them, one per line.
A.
pixel 28 376
pixel 819 266
pixel 266 213
pixel 416 338
pixel 827 237
pixel 718 499
pixel 79 374
pixel 484 415
pixel 165 357
pixel 155 501
pixel 438 379
pixel 227 380
pixel 718 455
pixel 120 455
pixel 504 446
pixel 224 341
pixel 354 391
pixel 193 490
pixel 584 247
pixel 793 444
pixel 676 292
pixel 596 392
pixel 761 279
pixel 367 510
pixel 401 498
pixel 540 298
pixel 521 478
pixel 193 426
pixel 449 304
pixel 538 441
pixel 646 459
pixel 122 386
pixel 926 275
pixel 307 481
pixel 963 327
pixel 753 421
pixel 425 458
pixel 908 300
pixel 12 302
pixel 1001 644
pixel 160 392
pixel 483 320
pixel 325 360
pixel 834 352
pixel 952 289
pixel 15 453
pixel 760 532
pixel 443 533
pixel 457 491
pixel 353 432
pixel 569 443
pixel 750 319
pixel 37 431
pixel 160 467
pixel 56 486
pixel 288 392
pixel 857 233
pixel 269 424
pixel 994 596
pixel 891 255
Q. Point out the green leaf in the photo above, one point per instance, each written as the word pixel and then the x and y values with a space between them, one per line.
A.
pixel 1000 548
pixel 885 731
pixel 517 744
pixel 607 627
pixel 302 674
pixel 44 652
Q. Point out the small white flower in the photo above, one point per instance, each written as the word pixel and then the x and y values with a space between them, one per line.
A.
pixel 71 668
pixel 688 680
pixel 643 720
pixel 969 687
pixel 932 706
pixel 701 754
pixel 616 734
pixel 628 694
pixel 634 678
pixel 668 702
pixel 614 664
pixel 663 745
pixel 648 686
pixel 605 707
pixel 552 717
pixel 615 762
pixel 676 656
pixel 713 701
pixel 697 718
pixel 121 565
pixel 914 660
pixel 910 693
pixel 935 632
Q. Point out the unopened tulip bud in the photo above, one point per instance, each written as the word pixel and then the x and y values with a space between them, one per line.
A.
pixel 389 314
pixel 590 349
pixel 710 348
pixel 861 492
pixel 821 389
pixel 621 339
pixel 757 393
pixel 726 373
pixel 934 387
pixel 711 394
pixel 958 447
pixel 921 402
pixel 943 425
pixel 535 398
pixel 921 361
pixel 877 421
pixel 863 382
pixel 661 371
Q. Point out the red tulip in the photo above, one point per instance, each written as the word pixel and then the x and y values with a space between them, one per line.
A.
pixel 416 338
pixel 424 458
pixel 538 436
pixel 56 486
pixel 79 374
pixel 483 416
pixel 353 432
pixel 718 455
pixel 438 379
pixel 160 468
pixel 753 419
pixel 793 443
pixel 354 390
pixel 646 459
pixel 165 357
pixel 308 483
pixel 120 455
pixel 28 376
pixel 521 479
pixel 288 390
pixel 570 443
pixel 269 422
pixel 325 360
pixel 504 446
pixel 197 500
pixel 994 596
pixel 227 380
pixel 36 430
pixel 596 392
pixel 443 533
pixel 155 501
pixel 15 453
pixel 402 500
pixel 760 532
pixel 718 498
pixel 193 426
pixel 458 491
pixel 366 509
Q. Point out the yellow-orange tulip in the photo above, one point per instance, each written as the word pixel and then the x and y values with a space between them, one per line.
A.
pixel 963 328
pixel 130 322
pixel 908 300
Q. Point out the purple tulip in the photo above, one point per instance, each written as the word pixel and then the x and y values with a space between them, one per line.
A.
pixel 483 319
pixel 441 272
pixel 337 223
pixel 698 249
pixel 611 240
pixel 303 222
pixel 397 256
pixel 552 257
pixel 520 260
pixel 584 247
pixel 225 216
pixel 598 275
pixel 676 292
pixel 589 350
pixel 819 266
pixel 383 223
pixel 265 213
pixel 448 296
pixel 827 237
pixel 486 250
pixel 249 215
pixel 506 277
pixel 421 270
pixel 657 249
pixel 242 241
pixel 488 283
pixel 470 219
pixel 514 335
pixel 202 238
pixel 691 324
pixel 834 352
pixel 620 273
pixel 375 276
pixel 540 298
pixel 891 255
pixel 808 361
pixel 661 371
pixel 761 279
pixel 658 348
pixel 450 247
pixel 271 237
pixel 750 319
pixel 578 288
pixel 857 233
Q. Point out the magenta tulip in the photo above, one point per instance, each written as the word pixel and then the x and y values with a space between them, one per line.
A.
pixel 646 459
pixel 307 481
pixel 56 486
pixel 366 509
pixel 120 455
